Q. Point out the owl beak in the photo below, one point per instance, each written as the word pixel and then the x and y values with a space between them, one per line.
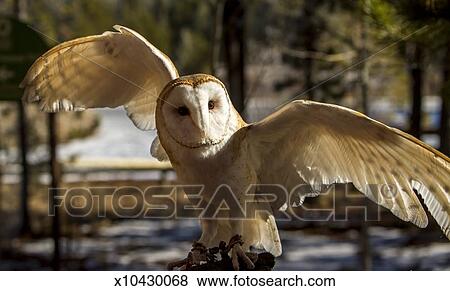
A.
pixel 201 120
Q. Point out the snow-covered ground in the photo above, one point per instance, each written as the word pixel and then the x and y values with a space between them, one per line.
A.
pixel 115 137
pixel 150 244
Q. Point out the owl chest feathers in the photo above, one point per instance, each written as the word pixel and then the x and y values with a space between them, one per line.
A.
pixel 224 166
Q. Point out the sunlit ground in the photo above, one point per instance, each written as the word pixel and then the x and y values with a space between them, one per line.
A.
pixel 150 244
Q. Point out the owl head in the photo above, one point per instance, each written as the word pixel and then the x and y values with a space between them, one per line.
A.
pixel 195 112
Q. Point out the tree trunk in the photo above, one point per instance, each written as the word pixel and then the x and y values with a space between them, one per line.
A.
pixel 25 228
pixel 364 70
pixel 216 33
pixel 309 44
pixel 364 240
pixel 234 49
pixel 415 60
pixel 53 164
pixel 445 95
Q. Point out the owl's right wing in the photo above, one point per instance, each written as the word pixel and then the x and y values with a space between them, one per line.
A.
pixel 107 70
pixel 324 144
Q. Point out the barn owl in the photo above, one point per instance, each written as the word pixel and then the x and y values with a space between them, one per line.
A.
pixel 209 144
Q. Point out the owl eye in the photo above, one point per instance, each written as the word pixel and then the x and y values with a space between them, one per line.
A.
pixel 183 110
pixel 211 105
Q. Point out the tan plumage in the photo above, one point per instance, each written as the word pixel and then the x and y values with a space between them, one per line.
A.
pixel 108 70
pixel 333 144
pixel 209 144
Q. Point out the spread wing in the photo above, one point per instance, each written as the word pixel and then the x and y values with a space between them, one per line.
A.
pixel 324 144
pixel 107 70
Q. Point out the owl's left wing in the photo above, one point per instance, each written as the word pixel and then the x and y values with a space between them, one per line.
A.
pixel 107 70
pixel 325 144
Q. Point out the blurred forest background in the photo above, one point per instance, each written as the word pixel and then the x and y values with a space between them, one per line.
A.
pixel 388 59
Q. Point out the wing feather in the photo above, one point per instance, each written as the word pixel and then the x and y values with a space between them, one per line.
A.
pixel 323 144
pixel 107 70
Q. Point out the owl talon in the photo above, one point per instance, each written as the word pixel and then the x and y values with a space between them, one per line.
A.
pixel 236 253
pixel 235 245
pixel 198 254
